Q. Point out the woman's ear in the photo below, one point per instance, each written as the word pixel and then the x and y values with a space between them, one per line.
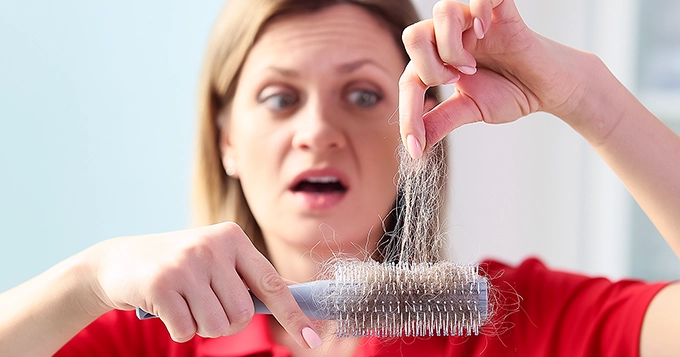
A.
pixel 226 150
pixel 229 165
pixel 228 160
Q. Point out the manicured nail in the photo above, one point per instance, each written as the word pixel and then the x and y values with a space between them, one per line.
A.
pixel 414 147
pixel 312 338
pixel 469 70
pixel 479 28
pixel 453 80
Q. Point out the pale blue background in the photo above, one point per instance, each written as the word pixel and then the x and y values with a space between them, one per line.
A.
pixel 97 117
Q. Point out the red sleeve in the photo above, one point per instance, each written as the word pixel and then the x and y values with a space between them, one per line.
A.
pixel 120 333
pixel 551 313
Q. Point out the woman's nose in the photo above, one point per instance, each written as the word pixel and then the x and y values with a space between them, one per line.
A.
pixel 318 127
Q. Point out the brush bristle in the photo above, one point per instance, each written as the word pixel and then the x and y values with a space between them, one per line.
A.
pixel 393 300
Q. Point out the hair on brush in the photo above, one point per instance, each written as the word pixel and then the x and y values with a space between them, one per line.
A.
pixel 407 299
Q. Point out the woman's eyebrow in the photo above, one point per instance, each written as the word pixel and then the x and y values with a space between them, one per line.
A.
pixel 355 65
pixel 342 69
pixel 286 72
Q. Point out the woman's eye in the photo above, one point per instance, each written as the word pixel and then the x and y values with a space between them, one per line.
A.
pixel 279 101
pixel 364 98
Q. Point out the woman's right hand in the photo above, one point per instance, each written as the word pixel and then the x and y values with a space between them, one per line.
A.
pixel 194 280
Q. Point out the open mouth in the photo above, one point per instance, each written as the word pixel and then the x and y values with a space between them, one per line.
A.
pixel 320 185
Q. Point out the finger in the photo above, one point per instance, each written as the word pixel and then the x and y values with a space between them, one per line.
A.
pixel 411 98
pixel 175 314
pixel 211 319
pixel 235 300
pixel 457 110
pixel 269 287
pixel 451 19
pixel 482 13
pixel 478 98
pixel 419 41
pixel 289 282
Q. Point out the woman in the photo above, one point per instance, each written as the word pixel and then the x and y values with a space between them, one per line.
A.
pixel 297 147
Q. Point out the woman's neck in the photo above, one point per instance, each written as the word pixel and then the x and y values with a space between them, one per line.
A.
pixel 301 263
pixel 292 262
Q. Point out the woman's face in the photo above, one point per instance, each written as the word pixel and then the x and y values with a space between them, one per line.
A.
pixel 311 132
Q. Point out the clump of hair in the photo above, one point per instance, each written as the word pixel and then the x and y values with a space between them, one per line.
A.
pixel 417 237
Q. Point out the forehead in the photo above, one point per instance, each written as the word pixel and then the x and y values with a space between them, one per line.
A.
pixel 337 33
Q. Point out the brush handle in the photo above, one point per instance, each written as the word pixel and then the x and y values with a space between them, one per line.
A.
pixel 304 295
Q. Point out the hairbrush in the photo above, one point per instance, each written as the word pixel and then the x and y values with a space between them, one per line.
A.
pixel 394 299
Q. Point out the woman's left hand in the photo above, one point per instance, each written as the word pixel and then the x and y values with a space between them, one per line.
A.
pixel 501 69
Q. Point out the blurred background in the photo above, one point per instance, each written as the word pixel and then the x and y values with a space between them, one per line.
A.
pixel 97 116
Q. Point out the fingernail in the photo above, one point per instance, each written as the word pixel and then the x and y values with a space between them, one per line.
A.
pixel 312 338
pixel 414 147
pixel 469 70
pixel 453 80
pixel 479 28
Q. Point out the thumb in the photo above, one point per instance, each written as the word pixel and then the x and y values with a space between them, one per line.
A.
pixel 411 97
pixel 454 112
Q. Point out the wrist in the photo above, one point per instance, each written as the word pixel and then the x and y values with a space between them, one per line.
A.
pixel 598 102
pixel 92 298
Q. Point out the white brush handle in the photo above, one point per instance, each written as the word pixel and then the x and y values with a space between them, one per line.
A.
pixel 304 295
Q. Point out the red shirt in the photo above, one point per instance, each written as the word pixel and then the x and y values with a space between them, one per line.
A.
pixel 538 312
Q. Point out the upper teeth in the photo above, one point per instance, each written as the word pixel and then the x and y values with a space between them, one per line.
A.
pixel 323 179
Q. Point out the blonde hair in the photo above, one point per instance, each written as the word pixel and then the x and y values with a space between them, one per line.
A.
pixel 216 196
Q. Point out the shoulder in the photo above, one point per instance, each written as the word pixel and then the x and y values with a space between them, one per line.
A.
pixel 534 278
pixel 538 307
